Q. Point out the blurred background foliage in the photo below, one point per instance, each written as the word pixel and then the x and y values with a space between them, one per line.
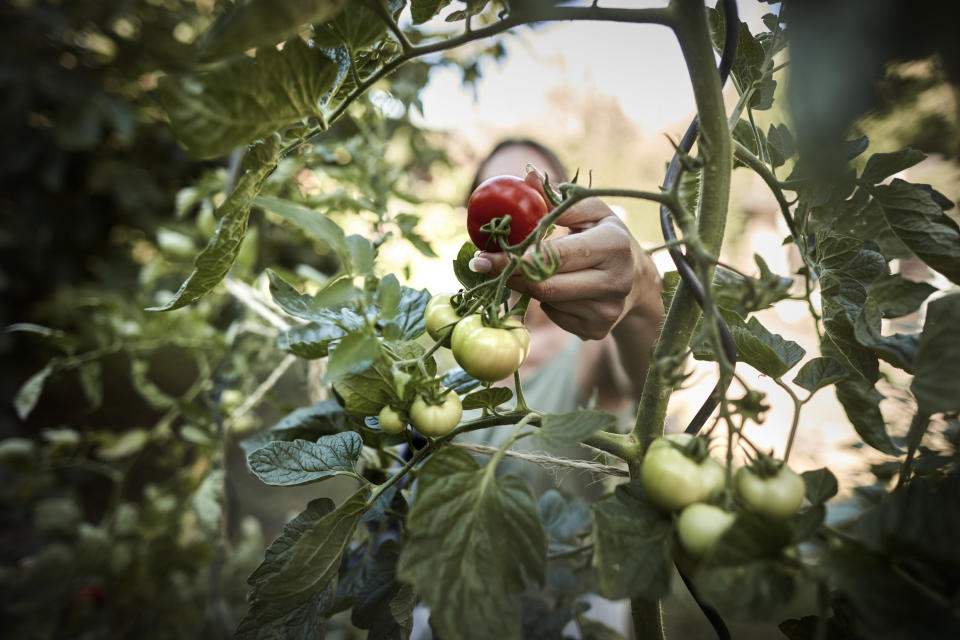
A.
pixel 113 454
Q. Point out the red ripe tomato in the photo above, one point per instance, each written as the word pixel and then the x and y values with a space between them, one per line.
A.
pixel 500 196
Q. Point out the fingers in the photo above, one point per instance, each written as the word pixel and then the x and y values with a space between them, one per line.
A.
pixel 601 246
pixel 569 287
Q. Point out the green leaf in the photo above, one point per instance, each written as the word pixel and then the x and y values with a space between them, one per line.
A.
pixel 461 267
pixel 936 384
pixel 355 29
pixel 213 112
pixel 780 144
pixel 313 222
pixel 364 393
pixel 896 296
pixel 632 547
pixel 900 349
pixel 751 537
pixel 388 296
pixel 311 562
pixel 689 191
pixel 301 619
pixel 746 295
pixel 821 485
pixel 381 603
pixel 919 522
pixel 90 375
pixel 883 165
pixel 215 261
pixel 29 392
pixel 306 423
pixel 424 10
pixel 817 373
pixel 354 353
pixel 861 403
pixel 361 254
pixel 487 398
pixel 574 427
pixel 843 298
pixel 258 23
pixel 309 341
pixel 407 223
pixel 459 380
pixel 475 544
pixel 767 352
pixel 284 464
pixel 749 591
pixel 564 517
pixel 806 524
pixel 919 222
pixel 298 620
pixel 124 445
pixel 410 310
pixel 743 132
pixel 748 63
pixel 887 599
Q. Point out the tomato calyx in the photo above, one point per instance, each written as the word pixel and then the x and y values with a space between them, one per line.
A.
pixel 766 466
pixel 498 232
pixel 696 448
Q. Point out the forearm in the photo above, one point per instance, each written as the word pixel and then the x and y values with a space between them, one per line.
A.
pixel 633 338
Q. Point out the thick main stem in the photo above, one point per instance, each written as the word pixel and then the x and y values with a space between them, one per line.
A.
pixel 693 33
pixel 689 21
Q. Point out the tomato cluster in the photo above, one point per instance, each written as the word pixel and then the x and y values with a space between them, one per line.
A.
pixel 430 416
pixel 679 476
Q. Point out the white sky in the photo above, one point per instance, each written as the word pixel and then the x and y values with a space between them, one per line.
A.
pixel 638 64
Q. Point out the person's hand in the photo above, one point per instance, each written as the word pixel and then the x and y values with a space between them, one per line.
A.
pixel 603 273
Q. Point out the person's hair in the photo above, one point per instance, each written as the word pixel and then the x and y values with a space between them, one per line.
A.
pixel 556 170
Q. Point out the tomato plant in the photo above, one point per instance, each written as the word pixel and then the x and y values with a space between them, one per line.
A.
pixel 298 364
pixel 501 196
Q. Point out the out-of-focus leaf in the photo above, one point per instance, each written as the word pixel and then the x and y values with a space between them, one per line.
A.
pixel 919 222
pixel 820 372
pixel 936 384
pixel 573 427
pixel 258 23
pixel 29 392
pixel 215 261
pixel 896 296
pixel 231 105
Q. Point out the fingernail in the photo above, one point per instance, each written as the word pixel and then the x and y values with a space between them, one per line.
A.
pixel 480 265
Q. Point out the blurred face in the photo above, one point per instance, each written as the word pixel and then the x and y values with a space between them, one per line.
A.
pixel 512 161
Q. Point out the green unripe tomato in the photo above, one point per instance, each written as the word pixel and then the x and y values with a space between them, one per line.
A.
pixel 435 420
pixel 440 317
pixel 672 480
pixel 390 421
pixel 489 353
pixel 700 525
pixel 777 496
